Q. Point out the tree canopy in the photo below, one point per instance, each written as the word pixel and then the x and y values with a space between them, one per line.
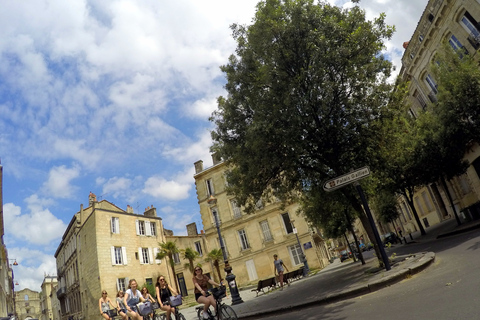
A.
pixel 307 89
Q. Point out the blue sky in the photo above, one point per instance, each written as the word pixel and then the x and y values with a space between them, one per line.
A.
pixel 113 97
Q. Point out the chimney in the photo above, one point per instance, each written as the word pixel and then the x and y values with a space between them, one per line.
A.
pixel 405 44
pixel 192 229
pixel 91 199
pixel 216 158
pixel 129 209
pixel 198 166
pixel 150 212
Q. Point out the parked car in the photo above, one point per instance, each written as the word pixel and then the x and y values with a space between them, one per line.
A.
pixel 344 255
pixel 390 237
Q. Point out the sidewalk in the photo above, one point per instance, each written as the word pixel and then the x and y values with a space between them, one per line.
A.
pixel 339 281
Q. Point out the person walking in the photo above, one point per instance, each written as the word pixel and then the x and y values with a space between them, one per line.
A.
pixel 278 266
pixel 200 281
pixel 164 291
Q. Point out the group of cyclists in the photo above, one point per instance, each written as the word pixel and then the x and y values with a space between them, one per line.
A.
pixel 126 302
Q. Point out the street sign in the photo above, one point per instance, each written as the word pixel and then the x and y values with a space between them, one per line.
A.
pixel 348 178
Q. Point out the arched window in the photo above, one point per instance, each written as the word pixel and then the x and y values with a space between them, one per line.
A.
pixel 26 297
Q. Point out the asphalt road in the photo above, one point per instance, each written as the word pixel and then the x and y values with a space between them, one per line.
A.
pixel 448 289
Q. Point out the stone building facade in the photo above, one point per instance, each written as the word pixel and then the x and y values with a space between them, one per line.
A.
pixel 48 292
pixel 251 240
pixel 456 23
pixel 27 304
pixel 102 249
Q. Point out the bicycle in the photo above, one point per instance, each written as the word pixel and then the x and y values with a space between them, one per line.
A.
pixel 222 311
pixel 175 302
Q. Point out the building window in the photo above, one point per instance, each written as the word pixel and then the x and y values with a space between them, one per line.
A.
pixel 237 212
pixel 287 223
pixel 149 281
pixel 456 45
pixel 153 230
pixel 431 83
pixel 405 208
pixel 198 248
pixel 243 239
pixel 176 258
pixel 464 185
pixel 267 235
pixel 427 202
pixel 418 96
pixel 119 255
pixel 145 255
pixel 115 225
pixel 210 190
pixel 296 254
pixel 122 284
pixel 419 206
pixel 140 226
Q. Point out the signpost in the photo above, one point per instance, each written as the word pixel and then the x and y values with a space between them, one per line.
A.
pixel 353 177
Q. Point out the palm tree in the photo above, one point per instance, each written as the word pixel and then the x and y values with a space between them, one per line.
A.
pixel 215 256
pixel 168 249
pixel 190 255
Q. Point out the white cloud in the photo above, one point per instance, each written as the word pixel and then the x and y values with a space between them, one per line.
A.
pixel 32 266
pixel 166 189
pixel 59 179
pixel 38 227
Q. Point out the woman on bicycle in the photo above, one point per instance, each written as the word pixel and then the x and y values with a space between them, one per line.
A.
pixel 200 281
pixel 164 291
pixel 104 304
pixel 146 295
pixel 122 310
pixel 132 297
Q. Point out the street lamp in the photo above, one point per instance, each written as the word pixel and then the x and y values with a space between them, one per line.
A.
pixel 15 263
pixel 232 284
pixel 306 270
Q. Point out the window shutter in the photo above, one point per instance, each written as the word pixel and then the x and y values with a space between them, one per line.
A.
pixel 148 231
pixel 118 285
pixel 140 255
pixel 112 225
pixel 112 253
pixel 155 252
pixel 137 227
pixel 117 225
pixel 150 257
pixel 124 255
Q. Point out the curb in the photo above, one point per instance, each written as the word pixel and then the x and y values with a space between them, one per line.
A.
pixel 357 291
pixel 459 231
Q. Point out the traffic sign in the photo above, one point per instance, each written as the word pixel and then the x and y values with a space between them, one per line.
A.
pixel 348 178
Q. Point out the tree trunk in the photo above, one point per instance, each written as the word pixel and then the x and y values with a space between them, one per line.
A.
pixel 449 196
pixel 409 197
pixel 360 254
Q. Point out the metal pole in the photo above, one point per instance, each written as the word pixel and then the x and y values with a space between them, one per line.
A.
pixel 232 284
pixel 306 269
pixel 374 227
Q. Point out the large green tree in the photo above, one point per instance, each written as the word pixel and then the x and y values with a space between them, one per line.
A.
pixel 169 249
pixel 307 91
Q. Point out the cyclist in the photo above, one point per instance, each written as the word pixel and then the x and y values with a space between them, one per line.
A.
pixel 200 281
pixel 132 297
pixel 164 291
pixel 122 310
pixel 146 295
pixel 104 304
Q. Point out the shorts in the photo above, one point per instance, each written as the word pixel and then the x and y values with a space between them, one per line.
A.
pixel 123 310
pixel 198 295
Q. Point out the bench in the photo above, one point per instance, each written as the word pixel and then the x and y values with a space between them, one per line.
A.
pixel 268 284
pixel 293 275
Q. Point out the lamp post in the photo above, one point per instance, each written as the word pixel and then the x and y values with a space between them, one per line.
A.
pixel 306 270
pixel 15 263
pixel 232 284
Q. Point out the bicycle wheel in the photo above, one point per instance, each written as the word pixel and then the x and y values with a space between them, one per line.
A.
pixel 180 317
pixel 227 313
pixel 160 317
pixel 199 314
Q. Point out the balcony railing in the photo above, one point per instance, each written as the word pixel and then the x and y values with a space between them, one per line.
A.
pixel 61 292
pixel 474 40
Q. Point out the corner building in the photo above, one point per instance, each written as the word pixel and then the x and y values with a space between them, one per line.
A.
pixel 456 23
pixel 102 249
pixel 251 240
